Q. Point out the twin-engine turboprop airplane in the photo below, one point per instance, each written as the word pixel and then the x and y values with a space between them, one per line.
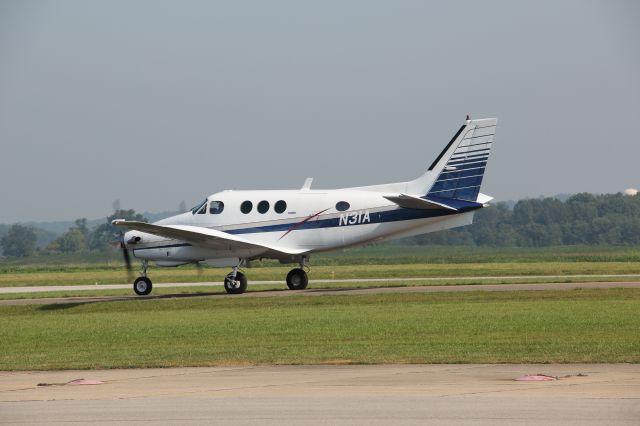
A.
pixel 230 228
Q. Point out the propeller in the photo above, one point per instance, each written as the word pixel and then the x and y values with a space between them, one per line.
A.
pixel 126 257
pixel 125 253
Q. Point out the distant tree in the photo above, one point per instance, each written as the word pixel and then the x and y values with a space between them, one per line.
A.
pixel 20 241
pixel 81 226
pixel 105 233
pixel 506 236
pixel 44 237
pixel 491 226
pixel 74 240
pixel 71 242
pixel 630 232
pixel 582 219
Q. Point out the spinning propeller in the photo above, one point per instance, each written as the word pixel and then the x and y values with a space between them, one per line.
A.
pixel 125 252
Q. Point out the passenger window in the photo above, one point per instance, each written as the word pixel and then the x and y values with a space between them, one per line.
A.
pixel 280 206
pixel 263 207
pixel 216 207
pixel 342 206
pixel 246 207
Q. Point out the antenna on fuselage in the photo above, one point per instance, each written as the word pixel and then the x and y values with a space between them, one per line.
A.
pixel 307 184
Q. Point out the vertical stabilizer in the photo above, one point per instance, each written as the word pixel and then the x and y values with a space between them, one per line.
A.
pixel 458 171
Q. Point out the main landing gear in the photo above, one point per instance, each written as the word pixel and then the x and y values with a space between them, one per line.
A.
pixel 235 282
pixel 143 285
pixel 297 278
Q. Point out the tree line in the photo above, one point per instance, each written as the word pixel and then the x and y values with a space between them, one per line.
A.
pixel 20 240
pixel 585 219
pixel 582 219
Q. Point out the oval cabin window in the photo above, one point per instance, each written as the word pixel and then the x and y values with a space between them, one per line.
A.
pixel 263 207
pixel 246 207
pixel 280 206
pixel 342 206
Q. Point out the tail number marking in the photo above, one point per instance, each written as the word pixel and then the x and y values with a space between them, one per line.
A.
pixel 354 218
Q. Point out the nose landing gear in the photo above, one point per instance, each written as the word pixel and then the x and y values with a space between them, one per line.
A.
pixel 143 285
pixel 236 281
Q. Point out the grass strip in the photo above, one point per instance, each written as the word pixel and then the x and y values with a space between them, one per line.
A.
pixel 387 253
pixel 585 325
pixel 163 275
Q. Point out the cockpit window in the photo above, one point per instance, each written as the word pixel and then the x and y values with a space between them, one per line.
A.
pixel 199 207
pixel 216 207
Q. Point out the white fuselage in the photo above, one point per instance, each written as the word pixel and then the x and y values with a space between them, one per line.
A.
pixel 313 220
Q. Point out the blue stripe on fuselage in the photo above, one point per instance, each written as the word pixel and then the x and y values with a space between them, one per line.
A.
pixel 395 215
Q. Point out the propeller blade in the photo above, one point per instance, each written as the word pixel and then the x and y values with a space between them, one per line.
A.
pixel 127 258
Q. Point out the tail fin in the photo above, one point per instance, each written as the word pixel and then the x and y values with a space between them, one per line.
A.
pixel 460 166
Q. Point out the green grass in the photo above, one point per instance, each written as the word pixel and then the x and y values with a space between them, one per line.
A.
pixel 378 261
pixel 478 327
pixel 389 253
pixel 190 274
pixel 381 254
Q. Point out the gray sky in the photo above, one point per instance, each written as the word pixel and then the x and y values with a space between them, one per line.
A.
pixel 156 102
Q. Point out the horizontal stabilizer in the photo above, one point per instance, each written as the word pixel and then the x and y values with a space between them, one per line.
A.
pixel 412 202
pixel 483 198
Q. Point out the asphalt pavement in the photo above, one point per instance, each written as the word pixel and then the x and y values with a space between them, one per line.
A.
pixel 330 291
pixel 583 394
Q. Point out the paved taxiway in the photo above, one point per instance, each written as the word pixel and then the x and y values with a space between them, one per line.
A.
pixel 334 291
pixel 584 394
pixel 478 279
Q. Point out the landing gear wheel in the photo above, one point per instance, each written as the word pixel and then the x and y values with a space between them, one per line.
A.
pixel 297 279
pixel 142 286
pixel 237 286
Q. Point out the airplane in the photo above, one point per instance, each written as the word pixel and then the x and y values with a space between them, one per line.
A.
pixel 232 228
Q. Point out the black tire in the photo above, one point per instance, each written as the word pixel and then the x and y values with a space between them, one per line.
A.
pixel 297 279
pixel 142 286
pixel 237 286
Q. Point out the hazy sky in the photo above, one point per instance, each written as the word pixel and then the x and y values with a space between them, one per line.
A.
pixel 156 102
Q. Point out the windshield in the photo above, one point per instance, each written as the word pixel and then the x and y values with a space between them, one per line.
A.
pixel 198 206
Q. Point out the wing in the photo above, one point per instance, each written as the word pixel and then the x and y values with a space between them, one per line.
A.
pixel 203 237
